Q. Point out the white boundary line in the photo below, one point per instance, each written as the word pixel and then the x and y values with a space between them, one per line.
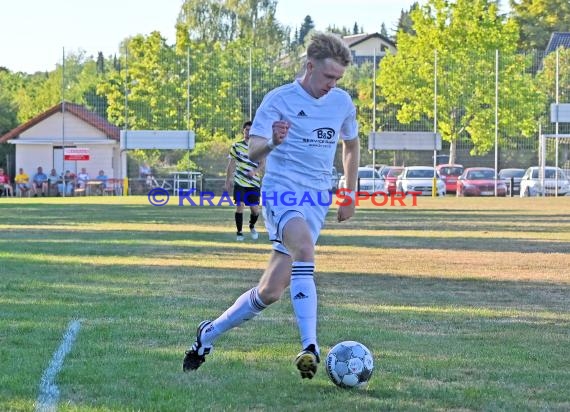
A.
pixel 49 392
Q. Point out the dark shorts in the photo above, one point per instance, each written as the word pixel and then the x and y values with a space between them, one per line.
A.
pixel 246 195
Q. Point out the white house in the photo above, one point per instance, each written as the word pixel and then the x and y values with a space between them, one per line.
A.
pixel 365 46
pixel 41 141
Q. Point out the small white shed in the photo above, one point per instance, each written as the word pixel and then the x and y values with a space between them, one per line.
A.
pixel 42 141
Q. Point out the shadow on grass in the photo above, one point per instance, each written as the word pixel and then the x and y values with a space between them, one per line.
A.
pixel 371 219
pixel 148 243
pixel 100 281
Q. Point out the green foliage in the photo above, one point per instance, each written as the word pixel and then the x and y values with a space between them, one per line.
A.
pixel 75 80
pixel 546 80
pixel 186 163
pixel 464 36
pixel 305 29
pixel 8 108
pixel 224 21
pixel 211 158
pixel 150 157
pixel 152 74
pixel 405 23
pixel 538 19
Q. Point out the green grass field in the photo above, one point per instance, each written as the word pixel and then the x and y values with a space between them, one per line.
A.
pixel 465 304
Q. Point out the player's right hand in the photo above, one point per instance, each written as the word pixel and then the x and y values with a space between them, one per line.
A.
pixel 280 130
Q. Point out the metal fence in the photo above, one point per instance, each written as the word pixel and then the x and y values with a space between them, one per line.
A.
pixel 212 91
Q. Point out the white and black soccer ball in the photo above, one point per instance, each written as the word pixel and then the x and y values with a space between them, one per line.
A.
pixel 350 364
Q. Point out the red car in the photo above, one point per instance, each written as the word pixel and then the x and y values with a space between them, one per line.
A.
pixel 390 174
pixel 449 174
pixel 480 181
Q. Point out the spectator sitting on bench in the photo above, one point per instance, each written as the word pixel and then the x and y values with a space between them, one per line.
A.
pixel 103 178
pixel 5 185
pixel 22 182
pixel 40 182
pixel 68 179
pixel 82 178
pixel 53 178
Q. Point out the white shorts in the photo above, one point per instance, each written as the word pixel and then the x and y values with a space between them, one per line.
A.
pixel 282 205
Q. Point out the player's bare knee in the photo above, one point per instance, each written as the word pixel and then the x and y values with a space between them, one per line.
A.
pixel 269 294
pixel 303 252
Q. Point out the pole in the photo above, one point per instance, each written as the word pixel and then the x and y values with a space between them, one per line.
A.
pixel 124 158
pixel 542 161
pixel 496 116
pixel 434 182
pixel 557 130
pixel 63 121
pixel 374 121
pixel 188 104
pixel 188 88
pixel 250 86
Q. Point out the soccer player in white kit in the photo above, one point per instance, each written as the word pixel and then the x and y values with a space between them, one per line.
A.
pixel 296 130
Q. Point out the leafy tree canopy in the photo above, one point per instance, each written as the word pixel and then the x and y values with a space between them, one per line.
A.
pixel 538 19
pixel 464 35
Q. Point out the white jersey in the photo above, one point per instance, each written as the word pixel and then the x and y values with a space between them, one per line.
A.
pixel 306 155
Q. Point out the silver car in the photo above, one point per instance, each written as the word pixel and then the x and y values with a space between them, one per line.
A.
pixel 369 181
pixel 531 182
pixel 419 179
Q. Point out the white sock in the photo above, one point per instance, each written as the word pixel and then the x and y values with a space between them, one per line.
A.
pixel 304 300
pixel 246 307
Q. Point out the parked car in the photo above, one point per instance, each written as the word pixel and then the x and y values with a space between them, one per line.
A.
pixel 512 178
pixel 335 177
pixel 449 173
pixel 480 181
pixel 378 166
pixel 419 179
pixel 369 180
pixel 390 174
pixel 531 184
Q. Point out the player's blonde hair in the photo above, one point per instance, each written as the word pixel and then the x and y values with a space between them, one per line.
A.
pixel 328 45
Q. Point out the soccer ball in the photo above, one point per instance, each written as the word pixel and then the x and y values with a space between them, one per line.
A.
pixel 350 364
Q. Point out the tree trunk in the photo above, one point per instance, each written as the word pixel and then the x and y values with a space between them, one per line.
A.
pixel 453 151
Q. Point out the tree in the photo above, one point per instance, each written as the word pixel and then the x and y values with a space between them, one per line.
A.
pixel 224 21
pixel 405 23
pixel 344 31
pixel 75 81
pixel 384 31
pixel 546 80
pixel 538 19
pixel 465 35
pixel 100 63
pixel 8 108
pixel 305 29
pixel 355 29
pixel 152 74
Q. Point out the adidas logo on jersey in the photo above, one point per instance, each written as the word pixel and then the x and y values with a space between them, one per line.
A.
pixel 300 295
pixel 302 114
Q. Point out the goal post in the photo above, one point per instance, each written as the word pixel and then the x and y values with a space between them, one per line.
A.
pixel 153 139
pixel 404 141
